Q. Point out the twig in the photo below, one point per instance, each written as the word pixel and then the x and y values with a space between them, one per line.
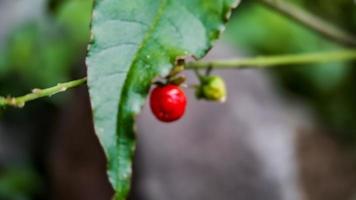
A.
pixel 311 21
pixel 38 93
pixel 272 61
pixel 258 62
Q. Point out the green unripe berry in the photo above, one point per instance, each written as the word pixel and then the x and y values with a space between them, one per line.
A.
pixel 211 88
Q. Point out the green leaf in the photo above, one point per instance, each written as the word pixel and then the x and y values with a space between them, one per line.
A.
pixel 134 41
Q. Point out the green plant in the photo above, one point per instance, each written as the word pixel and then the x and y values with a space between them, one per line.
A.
pixel 133 42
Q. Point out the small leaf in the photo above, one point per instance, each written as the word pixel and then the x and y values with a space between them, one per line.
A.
pixel 134 41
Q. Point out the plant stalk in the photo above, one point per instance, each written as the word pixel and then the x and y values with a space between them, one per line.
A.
pixel 20 102
pixel 273 61
pixel 260 62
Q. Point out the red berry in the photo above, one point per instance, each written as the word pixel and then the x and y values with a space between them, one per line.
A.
pixel 168 102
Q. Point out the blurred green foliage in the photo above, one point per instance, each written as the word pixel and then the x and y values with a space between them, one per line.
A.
pixel 327 87
pixel 340 12
pixel 38 53
pixel 41 52
pixel 19 183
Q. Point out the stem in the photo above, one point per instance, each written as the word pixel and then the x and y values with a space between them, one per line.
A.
pixel 38 93
pixel 258 62
pixel 271 61
pixel 311 21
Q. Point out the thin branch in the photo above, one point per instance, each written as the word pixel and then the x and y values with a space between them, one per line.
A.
pixel 311 21
pixel 258 62
pixel 38 93
pixel 272 61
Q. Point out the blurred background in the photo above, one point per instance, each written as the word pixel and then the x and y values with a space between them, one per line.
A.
pixel 287 133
